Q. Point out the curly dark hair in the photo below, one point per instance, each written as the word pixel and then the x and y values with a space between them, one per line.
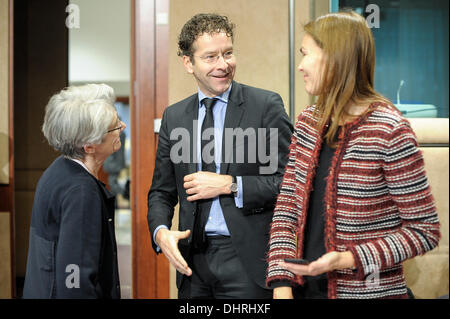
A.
pixel 198 25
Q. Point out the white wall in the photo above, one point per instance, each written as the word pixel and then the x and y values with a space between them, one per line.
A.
pixel 99 51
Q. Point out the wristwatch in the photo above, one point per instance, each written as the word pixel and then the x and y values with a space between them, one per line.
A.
pixel 234 186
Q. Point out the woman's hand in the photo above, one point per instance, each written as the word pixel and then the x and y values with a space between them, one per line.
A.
pixel 328 262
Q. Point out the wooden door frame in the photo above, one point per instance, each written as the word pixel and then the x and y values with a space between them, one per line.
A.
pixel 149 87
pixel 7 190
pixel 11 146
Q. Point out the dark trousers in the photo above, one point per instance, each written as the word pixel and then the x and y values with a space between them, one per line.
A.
pixel 217 272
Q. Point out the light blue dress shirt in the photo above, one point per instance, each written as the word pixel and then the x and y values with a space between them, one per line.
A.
pixel 215 224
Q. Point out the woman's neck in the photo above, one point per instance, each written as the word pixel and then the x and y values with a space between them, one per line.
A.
pixel 352 111
pixel 92 164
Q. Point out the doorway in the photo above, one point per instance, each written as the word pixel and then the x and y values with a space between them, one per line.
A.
pixel 109 42
pixel 99 49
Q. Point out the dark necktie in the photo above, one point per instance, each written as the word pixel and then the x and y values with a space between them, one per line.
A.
pixel 208 165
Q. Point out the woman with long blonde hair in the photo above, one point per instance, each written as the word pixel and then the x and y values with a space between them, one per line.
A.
pixel 355 202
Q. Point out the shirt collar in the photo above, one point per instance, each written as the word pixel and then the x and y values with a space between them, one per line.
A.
pixel 81 163
pixel 223 97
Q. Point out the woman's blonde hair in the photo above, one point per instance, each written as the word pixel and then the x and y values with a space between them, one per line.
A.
pixel 348 72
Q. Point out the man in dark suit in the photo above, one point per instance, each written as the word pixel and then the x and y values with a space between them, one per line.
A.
pixel 212 159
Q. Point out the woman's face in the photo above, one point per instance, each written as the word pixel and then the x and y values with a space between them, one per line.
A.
pixel 312 65
pixel 111 141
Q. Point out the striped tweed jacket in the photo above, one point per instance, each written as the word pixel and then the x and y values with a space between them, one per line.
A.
pixel 377 204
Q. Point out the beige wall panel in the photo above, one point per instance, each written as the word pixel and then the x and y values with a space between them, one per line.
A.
pixel 261 43
pixel 262 48
pixel 321 7
pixel 436 166
pixel 305 11
pixel 428 275
pixel 5 256
pixel 430 130
pixel 303 14
pixel 4 92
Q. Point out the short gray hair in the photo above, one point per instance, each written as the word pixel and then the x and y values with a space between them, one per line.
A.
pixel 78 115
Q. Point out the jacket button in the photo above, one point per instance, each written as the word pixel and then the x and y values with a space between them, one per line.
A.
pixel 110 219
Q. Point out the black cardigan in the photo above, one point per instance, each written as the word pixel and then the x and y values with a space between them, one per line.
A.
pixel 72 247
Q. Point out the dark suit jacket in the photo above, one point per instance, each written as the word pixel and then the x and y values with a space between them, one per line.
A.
pixel 248 107
pixel 72 237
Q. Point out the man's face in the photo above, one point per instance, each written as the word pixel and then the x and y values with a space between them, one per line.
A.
pixel 213 64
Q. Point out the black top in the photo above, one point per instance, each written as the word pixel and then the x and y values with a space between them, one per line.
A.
pixel 314 239
pixel 316 287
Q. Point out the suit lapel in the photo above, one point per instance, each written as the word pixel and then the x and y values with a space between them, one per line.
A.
pixel 191 118
pixel 233 117
pixel 189 121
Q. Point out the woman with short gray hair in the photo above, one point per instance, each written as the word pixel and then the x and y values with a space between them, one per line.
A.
pixel 72 248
